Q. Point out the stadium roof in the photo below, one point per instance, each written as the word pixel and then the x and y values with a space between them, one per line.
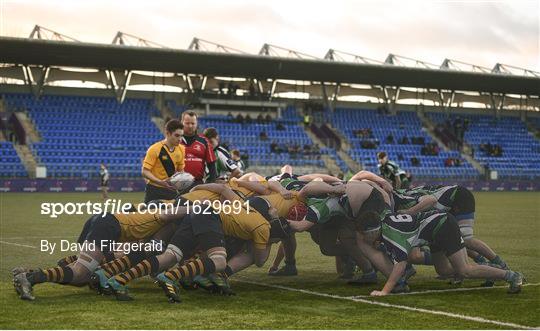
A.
pixel 121 57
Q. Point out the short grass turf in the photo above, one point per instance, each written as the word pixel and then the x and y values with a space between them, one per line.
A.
pixel 508 221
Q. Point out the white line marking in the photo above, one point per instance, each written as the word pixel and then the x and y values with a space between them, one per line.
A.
pixel 40 237
pixel 460 289
pixel 389 305
pixel 14 244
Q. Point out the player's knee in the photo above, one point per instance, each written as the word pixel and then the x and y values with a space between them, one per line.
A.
pixel 219 257
pixel 159 248
pixel 174 253
pixel 86 263
pixel 466 232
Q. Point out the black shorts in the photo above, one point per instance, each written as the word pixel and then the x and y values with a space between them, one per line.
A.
pixel 103 228
pixel 234 246
pixel 158 193
pixel 464 202
pixel 448 238
pixel 198 231
pixel 86 228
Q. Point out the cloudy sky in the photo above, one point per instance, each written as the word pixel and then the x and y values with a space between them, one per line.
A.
pixel 479 32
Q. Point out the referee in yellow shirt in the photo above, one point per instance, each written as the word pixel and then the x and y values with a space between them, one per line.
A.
pixel 162 160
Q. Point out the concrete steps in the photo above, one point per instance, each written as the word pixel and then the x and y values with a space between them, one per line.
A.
pixel 32 133
pixel 160 123
pixel 345 148
pixel 465 151
pixel 351 164
pixel 28 159
pixel 429 127
pixel 329 162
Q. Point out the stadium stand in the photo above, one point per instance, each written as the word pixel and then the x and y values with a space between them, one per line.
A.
pixel 11 163
pixel 520 154
pixel 78 133
pixel 371 129
pixel 246 138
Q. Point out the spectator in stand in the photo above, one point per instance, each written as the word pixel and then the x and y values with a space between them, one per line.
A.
pixel 274 147
pixel 307 120
pixel 240 119
pixel 404 141
pixel 268 118
pixel 280 126
pixel 415 161
pixel 390 139
pixel 230 117
pixel 400 157
pixel 368 144
pixel 260 119
pixel 248 119
pixel 263 136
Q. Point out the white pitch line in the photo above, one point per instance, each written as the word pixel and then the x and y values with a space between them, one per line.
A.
pixel 40 237
pixel 14 244
pixel 460 289
pixel 389 305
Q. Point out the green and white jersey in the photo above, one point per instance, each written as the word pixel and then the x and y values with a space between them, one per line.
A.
pixel 292 184
pixel 390 170
pixel 402 232
pixel 445 195
pixel 224 163
pixel 321 211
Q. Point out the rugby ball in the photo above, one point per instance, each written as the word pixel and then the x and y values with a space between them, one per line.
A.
pixel 182 180
pixel 297 212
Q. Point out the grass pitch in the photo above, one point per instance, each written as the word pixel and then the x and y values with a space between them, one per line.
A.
pixel 508 221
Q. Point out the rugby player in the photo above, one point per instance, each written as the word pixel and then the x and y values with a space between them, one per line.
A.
pixel 110 228
pixel 207 231
pixel 392 172
pixel 226 166
pixel 458 201
pixel 401 232
pixel 162 160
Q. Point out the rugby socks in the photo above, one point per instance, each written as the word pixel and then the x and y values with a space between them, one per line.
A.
pixel 201 266
pixel 498 261
pixel 60 275
pixel 67 260
pixel 228 271
pixel 116 266
pixel 146 267
pixel 509 275
pixel 427 258
pixel 479 259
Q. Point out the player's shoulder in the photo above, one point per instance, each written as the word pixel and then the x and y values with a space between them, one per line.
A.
pixel 156 147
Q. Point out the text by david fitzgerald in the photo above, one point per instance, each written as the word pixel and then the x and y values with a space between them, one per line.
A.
pixel 102 246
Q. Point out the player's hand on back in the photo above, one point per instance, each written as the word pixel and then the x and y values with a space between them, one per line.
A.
pixel 287 195
pixel 339 189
